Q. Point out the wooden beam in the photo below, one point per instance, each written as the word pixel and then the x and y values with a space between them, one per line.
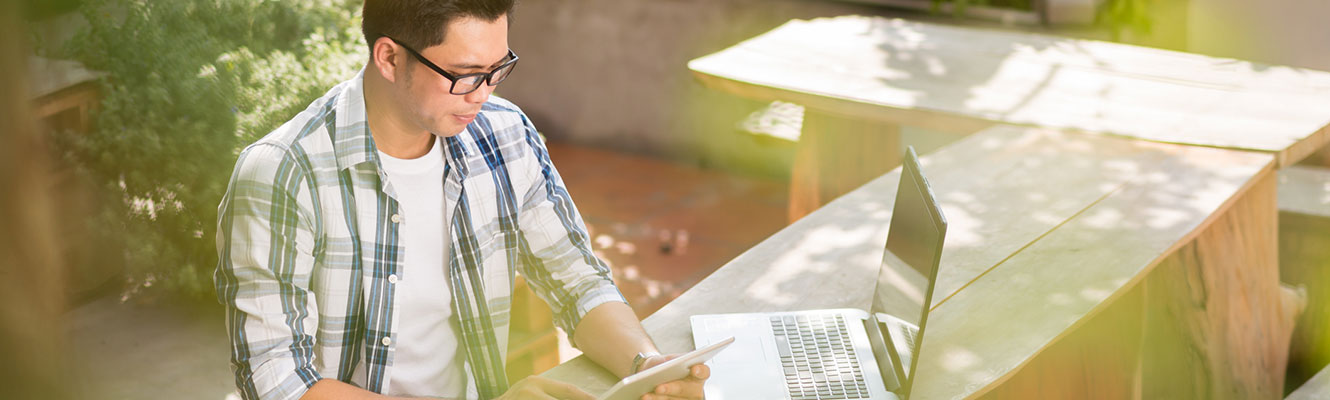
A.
pixel 1101 360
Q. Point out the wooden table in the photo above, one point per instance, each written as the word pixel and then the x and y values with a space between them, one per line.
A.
pixel 1060 273
pixel 861 77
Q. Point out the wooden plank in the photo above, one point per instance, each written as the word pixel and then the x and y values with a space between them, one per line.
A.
pixel 1006 191
pixel 80 96
pixel 929 75
pixel 1318 388
pixel 1216 326
pixel 1101 360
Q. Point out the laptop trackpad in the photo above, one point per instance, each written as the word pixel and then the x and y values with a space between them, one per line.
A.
pixel 744 381
pixel 751 339
pixel 749 368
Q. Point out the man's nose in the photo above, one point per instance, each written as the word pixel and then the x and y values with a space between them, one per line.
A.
pixel 480 95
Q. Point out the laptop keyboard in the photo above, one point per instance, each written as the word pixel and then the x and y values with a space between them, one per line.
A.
pixel 818 357
pixel 910 333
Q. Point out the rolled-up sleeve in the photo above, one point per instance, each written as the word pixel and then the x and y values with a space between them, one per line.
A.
pixel 560 265
pixel 266 238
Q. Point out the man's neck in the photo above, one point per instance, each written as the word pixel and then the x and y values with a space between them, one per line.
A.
pixel 392 135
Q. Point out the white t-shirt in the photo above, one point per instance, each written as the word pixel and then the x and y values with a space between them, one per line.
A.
pixel 427 359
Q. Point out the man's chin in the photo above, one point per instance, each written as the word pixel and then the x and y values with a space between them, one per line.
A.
pixel 450 131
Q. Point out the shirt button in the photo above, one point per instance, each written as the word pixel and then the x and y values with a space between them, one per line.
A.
pixel 387 341
pixel 397 218
pixel 392 278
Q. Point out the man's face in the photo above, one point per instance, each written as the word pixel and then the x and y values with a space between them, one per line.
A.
pixel 470 45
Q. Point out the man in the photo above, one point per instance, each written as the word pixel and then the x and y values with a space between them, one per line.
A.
pixel 368 246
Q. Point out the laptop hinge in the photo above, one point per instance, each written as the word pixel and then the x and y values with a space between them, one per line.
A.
pixel 882 352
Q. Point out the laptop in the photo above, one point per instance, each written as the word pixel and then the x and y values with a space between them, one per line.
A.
pixel 840 353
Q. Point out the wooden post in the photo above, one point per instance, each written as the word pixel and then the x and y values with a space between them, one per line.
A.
pixel 1214 324
pixel 836 155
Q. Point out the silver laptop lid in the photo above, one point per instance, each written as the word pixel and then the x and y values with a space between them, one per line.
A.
pixel 910 262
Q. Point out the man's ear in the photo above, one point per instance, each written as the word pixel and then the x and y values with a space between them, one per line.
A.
pixel 387 57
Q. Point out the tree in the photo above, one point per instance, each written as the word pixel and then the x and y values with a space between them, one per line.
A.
pixel 190 83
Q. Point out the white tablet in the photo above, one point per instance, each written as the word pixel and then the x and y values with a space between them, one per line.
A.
pixel 636 385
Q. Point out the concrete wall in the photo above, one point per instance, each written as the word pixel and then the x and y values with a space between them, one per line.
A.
pixel 1283 32
pixel 613 73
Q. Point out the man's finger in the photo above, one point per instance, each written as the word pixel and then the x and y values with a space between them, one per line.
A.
pixel 700 371
pixel 653 396
pixel 688 389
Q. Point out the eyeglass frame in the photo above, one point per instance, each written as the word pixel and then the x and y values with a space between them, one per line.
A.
pixel 487 77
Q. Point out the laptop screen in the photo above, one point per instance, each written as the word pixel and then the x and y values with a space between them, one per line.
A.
pixel 910 260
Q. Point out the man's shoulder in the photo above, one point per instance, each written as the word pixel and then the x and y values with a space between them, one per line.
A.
pixel 309 126
pixel 298 142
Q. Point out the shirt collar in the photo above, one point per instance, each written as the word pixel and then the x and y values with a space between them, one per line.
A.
pixel 355 145
pixel 351 139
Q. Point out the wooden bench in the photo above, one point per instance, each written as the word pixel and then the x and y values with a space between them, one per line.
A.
pixel 1304 259
pixel 860 78
pixel 533 342
pixel 1057 270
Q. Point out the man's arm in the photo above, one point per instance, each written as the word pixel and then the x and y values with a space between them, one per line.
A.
pixel 332 389
pixel 583 297
pixel 611 336
pixel 265 240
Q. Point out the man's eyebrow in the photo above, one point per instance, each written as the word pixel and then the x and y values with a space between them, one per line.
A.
pixel 478 66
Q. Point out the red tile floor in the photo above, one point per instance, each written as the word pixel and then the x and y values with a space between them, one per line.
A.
pixel 663 226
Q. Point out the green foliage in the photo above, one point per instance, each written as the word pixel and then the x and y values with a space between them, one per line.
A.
pixel 1117 16
pixel 1124 15
pixel 191 82
pixel 959 6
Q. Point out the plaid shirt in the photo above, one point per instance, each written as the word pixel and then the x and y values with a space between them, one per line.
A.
pixel 310 251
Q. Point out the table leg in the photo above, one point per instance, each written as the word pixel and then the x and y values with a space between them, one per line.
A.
pixel 837 155
pixel 1215 324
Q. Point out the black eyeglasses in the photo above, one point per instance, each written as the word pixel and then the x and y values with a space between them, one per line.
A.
pixel 470 82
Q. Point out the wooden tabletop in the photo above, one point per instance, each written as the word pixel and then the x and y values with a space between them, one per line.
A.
pixel 1045 229
pixel 963 79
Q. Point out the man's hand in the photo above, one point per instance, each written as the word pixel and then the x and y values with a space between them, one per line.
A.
pixel 689 387
pixel 536 387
